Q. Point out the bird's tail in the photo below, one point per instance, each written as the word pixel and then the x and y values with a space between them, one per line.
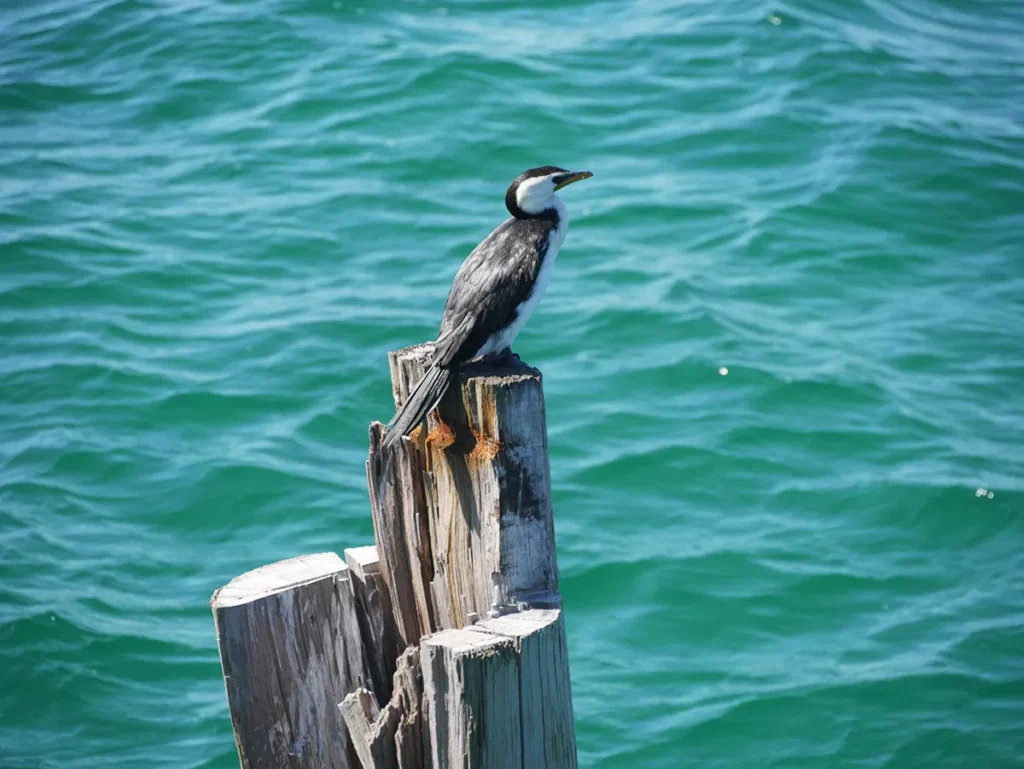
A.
pixel 424 397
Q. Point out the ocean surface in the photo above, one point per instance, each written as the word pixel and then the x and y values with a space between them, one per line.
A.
pixel 783 352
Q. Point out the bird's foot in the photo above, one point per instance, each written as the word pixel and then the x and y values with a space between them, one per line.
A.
pixel 507 358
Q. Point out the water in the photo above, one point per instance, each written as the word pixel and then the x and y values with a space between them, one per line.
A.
pixel 782 350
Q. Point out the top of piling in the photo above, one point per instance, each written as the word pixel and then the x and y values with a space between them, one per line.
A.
pixel 276 578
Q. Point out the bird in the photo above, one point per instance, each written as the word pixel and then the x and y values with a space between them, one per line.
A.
pixel 496 289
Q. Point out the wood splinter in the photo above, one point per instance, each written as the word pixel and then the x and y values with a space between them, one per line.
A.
pixel 390 738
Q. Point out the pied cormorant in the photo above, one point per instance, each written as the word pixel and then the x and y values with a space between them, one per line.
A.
pixel 496 289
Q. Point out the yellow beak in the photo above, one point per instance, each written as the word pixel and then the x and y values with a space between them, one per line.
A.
pixel 566 179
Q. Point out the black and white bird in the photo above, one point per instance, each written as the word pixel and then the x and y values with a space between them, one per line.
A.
pixel 497 288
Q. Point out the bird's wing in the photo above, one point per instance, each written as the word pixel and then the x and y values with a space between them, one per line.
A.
pixel 448 344
pixel 489 287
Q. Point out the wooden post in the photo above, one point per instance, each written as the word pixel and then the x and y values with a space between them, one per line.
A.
pixel 463 578
pixel 462 513
pixel 497 694
pixel 290 649
pixel 478 485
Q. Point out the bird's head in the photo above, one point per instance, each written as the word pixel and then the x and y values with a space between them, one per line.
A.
pixel 533 192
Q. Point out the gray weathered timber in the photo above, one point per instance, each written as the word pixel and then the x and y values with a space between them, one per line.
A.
pixel 390 738
pixel 412 742
pixel 399 513
pixel 360 712
pixel 485 483
pixel 471 700
pixel 376 619
pixel 549 733
pixel 497 694
pixel 463 578
pixel 290 649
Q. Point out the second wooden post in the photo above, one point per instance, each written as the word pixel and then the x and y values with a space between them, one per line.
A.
pixel 463 520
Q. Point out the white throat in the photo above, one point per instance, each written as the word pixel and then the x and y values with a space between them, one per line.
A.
pixel 537 195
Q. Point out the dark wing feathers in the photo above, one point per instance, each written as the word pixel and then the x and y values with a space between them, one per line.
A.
pixel 494 280
pixel 447 346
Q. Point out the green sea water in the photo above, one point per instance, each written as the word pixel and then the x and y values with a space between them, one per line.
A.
pixel 783 352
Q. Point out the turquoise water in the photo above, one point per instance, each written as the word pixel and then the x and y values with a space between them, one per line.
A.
pixel 783 352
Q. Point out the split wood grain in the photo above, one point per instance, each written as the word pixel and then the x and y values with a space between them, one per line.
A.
pixel 399 511
pixel 391 738
pixel 471 698
pixel 376 619
pixel 545 696
pixel 484 483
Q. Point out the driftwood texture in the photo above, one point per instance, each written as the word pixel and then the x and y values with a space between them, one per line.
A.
pixel 471 699
pixel 376 619
pixel 471 496
pixel 400 525
pixel 463 578
pixel 545 698
pixel 391 738
pixel 497 695
pixel 290 649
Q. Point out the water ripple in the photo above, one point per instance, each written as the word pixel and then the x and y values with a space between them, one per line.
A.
pixel 782 365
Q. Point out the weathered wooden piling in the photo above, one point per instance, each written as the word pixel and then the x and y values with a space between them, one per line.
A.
pixel 289 644
pixel 483 486
pixel 462 658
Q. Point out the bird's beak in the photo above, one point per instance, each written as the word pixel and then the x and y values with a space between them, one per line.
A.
pixel 566 179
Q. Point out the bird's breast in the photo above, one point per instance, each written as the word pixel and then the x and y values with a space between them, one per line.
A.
pixel 503 338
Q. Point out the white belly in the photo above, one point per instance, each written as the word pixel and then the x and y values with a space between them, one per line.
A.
pixel 504 338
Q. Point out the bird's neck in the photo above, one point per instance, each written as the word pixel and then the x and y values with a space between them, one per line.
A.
pixel 552 209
